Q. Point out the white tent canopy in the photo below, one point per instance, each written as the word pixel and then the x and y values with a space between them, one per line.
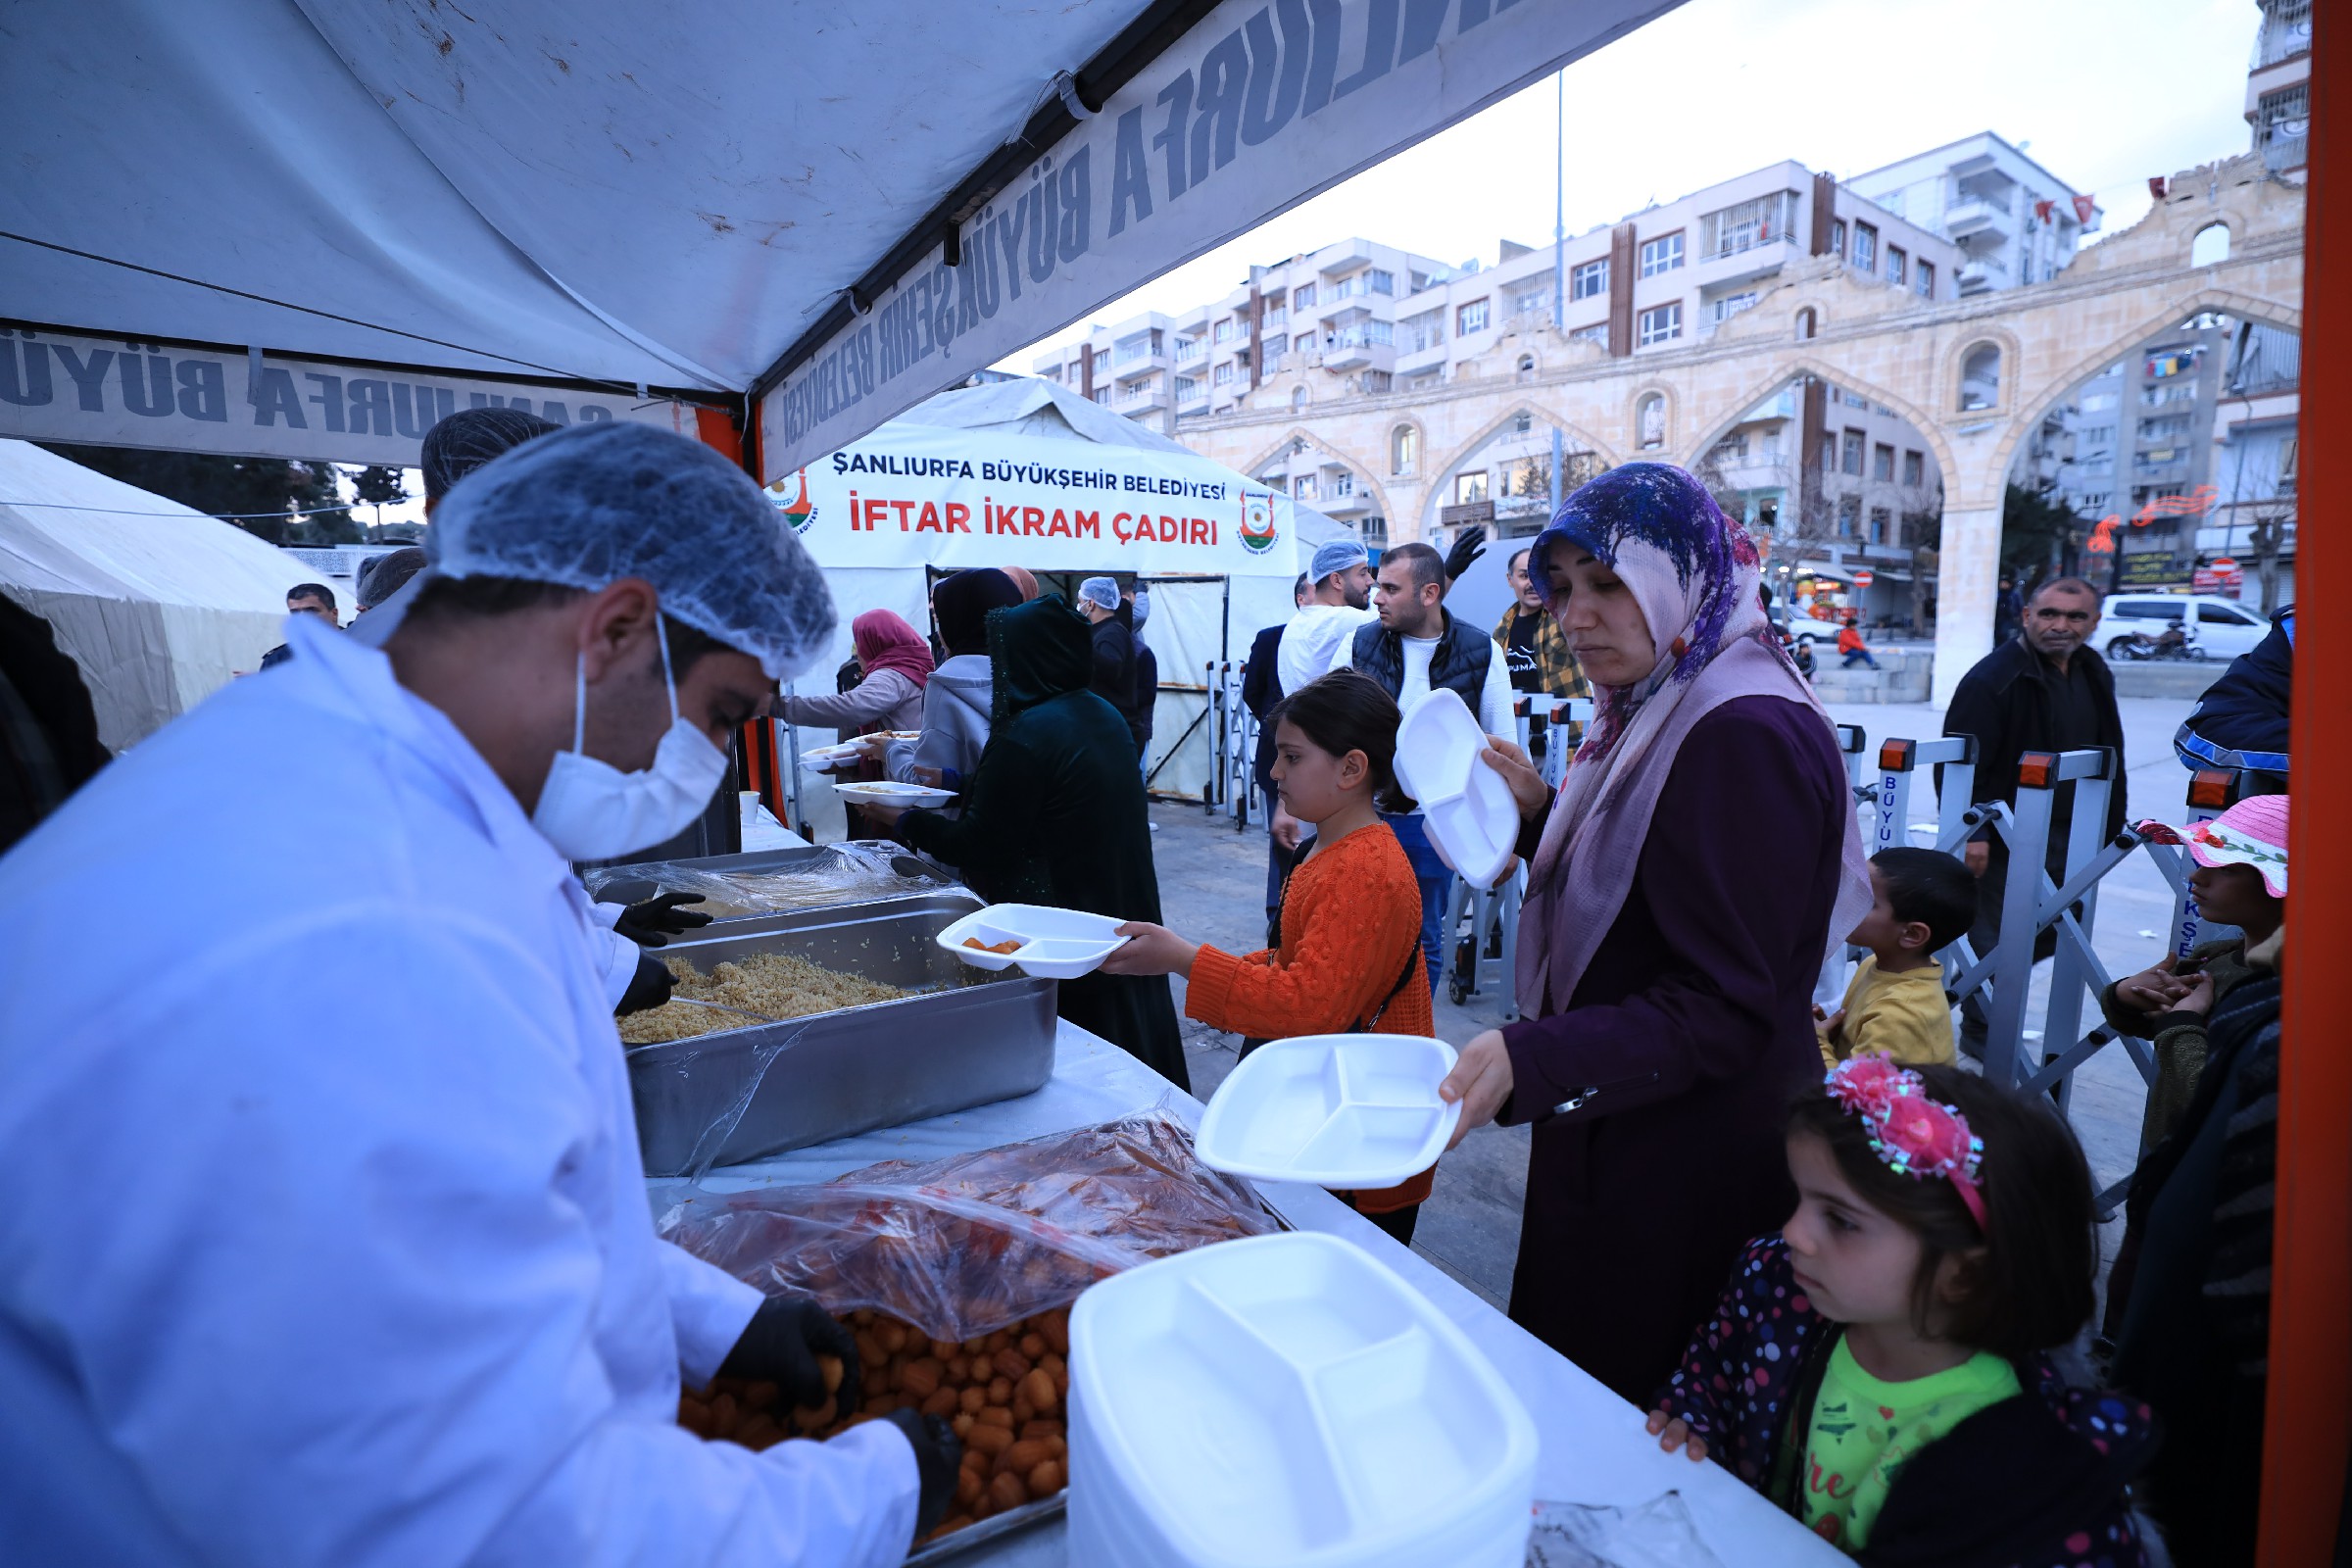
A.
pixel 159 604
pixel 1210 591
pixel 853 206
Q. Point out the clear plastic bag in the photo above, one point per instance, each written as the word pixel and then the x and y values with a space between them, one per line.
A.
pixel 838 874
pixel 962 1246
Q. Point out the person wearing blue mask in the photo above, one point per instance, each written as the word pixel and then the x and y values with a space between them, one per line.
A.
pixel 391 1291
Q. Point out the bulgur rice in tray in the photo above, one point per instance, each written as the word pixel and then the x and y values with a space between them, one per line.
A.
pixel 776 984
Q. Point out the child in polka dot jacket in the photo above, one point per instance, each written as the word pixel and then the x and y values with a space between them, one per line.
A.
pixel 1880 1368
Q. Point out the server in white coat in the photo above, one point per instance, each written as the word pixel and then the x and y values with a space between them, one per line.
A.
pixel 388 1291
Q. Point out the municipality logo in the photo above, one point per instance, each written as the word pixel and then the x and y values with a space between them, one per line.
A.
pixel 800 512
pixel 1257 523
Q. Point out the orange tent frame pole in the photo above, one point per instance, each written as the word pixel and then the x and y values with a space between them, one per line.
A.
pixel 2307 1427
pixel 717 429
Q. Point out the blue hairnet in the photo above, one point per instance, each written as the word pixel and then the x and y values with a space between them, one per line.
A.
pixel 1337 556
pixel 595 503
pixel 1103 591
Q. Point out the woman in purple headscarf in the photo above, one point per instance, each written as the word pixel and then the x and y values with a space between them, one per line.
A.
pixel 1682 892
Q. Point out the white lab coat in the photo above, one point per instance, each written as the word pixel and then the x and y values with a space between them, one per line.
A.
pixel 324 1238
pixel 1310 645
pixel 616 957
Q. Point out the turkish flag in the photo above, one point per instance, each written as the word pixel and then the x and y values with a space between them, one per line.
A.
pixel 2083 208
pixel 2043 210
pixel 2156 183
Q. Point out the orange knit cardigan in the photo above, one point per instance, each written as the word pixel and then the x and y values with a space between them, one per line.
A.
pixel 1350 914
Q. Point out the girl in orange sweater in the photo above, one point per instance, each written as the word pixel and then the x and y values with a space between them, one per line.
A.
pixel 1348 952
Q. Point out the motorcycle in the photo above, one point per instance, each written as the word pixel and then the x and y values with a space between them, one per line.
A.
pixel 2174 642
pixel 1799 650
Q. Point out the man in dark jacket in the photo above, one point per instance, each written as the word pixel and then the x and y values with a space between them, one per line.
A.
pixel 2240 722
pixel 1136 609
pixel 2045 690
pixel 1114 647
pixel 49 744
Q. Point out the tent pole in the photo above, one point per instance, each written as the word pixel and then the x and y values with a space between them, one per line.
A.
pixel 2305 1437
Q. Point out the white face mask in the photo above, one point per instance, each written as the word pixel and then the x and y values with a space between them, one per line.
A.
pixel 591 811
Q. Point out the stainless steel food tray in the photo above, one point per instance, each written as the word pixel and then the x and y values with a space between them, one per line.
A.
pixel 967 1040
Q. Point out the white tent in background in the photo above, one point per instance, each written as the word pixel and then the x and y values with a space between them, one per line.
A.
pixel 159 604
pixel 1025 472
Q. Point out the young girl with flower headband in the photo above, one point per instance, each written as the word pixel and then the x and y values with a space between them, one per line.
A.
pixel 1880 1368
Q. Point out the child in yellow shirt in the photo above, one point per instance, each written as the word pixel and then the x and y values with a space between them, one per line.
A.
pixel 1922 901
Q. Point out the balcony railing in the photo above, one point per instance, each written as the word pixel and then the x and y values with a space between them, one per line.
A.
pixel 1189 349
pixel 2286 33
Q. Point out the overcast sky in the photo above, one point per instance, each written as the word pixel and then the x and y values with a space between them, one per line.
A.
pixel 2107 92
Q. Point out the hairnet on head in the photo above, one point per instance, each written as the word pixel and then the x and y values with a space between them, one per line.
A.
pixel 1103 590
pixel 1337 555
pixel 595 503
pixel 457 446
pixel 381 578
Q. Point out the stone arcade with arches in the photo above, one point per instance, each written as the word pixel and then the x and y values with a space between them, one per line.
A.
pixel 1973 376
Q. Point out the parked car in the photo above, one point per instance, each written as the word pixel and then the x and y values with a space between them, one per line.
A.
pixel 2222 628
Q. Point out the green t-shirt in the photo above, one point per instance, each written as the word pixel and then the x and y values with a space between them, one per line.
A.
pixel 1864 1431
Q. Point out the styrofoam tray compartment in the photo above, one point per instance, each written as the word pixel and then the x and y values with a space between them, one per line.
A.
pixel 1056 944
pixel 1336 1416
pixel 1338 1111
pixel 1471 816
pixel 884 792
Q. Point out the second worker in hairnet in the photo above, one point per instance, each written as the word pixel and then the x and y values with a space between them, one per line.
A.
pixel 392 1294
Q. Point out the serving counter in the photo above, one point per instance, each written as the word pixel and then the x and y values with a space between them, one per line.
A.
pixel 1593 1446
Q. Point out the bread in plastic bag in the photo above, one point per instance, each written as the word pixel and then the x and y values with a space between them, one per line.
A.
pixel 849 872
pixel 964 1246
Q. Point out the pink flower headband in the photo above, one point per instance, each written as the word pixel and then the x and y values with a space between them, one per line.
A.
pixel 1914 1135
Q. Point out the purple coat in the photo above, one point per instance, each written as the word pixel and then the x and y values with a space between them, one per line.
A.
pixel 1681 1049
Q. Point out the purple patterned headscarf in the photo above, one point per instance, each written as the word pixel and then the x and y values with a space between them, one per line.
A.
pixel 1694 573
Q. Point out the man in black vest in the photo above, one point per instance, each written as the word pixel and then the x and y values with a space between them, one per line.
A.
pixel 1416 646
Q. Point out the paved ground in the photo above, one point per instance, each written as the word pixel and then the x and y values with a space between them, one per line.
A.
pixel 1213 882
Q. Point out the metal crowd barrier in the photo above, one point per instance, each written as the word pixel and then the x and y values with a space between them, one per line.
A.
pixel 1233 740
pixel 2043 1059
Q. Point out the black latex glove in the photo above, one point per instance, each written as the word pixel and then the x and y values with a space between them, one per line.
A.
pixel 938 1455
pixel 657 919
pixel 781 1344
pixel 1467 549
pixel 648 988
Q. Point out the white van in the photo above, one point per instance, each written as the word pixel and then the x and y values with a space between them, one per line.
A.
pixel 2222 628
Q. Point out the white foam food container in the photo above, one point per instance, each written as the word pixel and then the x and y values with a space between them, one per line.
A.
pixel 1338 1111
pixel 1469 812
pixel 1286 1401
pixel 823 756
pixel 887 791
pixel 1054 944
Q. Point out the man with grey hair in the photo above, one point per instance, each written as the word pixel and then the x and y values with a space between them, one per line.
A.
pixel 400 1298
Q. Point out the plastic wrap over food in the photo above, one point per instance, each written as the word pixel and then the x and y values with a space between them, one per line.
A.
pixel 965 1246
pixel 838 874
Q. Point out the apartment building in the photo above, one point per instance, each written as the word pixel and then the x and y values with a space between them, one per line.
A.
pixel 1358 317
pixel 2014 222
pixel 2279 86
pixel 2141 447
